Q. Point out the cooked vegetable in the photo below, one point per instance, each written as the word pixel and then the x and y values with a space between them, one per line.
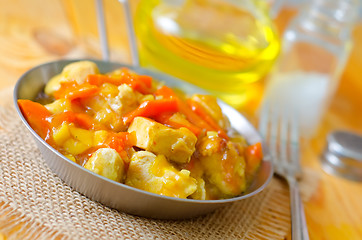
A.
pixel 37 116
pixel 204 115
pixel 133 130
pixel 152 109
pixel 177 120
pixel 73 90
pixel 168 93
pixel 253 157
pixel 211 107
pixel 142 84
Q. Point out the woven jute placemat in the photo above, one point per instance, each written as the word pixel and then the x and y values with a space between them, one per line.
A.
pixel 36 204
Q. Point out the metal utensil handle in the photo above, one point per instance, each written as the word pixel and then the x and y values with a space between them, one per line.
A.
pixel 102 31
pixel 299 225
pixel 131 34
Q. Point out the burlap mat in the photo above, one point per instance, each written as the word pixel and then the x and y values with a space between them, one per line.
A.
pixel 36 204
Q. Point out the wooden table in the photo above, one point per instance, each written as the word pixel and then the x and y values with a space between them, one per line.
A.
pixel 32 32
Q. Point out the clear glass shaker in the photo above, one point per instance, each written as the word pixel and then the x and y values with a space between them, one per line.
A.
pixel 315 49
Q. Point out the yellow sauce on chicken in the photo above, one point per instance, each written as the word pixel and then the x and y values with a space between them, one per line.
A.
pixel 133 130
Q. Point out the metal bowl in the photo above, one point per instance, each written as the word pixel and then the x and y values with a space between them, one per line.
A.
pixel 120 196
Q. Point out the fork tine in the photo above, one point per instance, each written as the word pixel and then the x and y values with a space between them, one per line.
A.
pixel 264 129
pixel 284 137
pixel 268 128
pixel 263 120
pixel 274 134
pixel 278 124
pixel 294 144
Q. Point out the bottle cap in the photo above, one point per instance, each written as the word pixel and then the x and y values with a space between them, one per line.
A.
pixel 343 155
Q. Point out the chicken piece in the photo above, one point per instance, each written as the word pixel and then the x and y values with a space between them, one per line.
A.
pixel 53 84
pixel 210 105
pixel 224 166
pixel 107 163
pixel 125 101
pixel 99 109
pixel 155 174
pixel 114 102
pixel 77 71
pixel 176 144
pixel 110 119
pixel 109 90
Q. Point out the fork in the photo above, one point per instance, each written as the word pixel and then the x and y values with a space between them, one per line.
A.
pixel 279 126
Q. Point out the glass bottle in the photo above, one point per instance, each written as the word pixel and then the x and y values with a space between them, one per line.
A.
pixel 316 46
pixel 223 46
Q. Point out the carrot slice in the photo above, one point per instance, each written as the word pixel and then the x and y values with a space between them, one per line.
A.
pixel 99 79
pixel 197 108
pixel 147 80
pixel 72 90
pixel 85 121
pixel 120 142
pixel 165 119
pixel 191 116
pixel 151 109
pixel 37 116
pixel 165 92
pixel 138 83
pixel 253 157
pixel 81 120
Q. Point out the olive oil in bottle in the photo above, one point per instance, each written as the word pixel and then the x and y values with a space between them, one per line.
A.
pixel 223 46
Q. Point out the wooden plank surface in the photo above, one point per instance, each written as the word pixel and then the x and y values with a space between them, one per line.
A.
pixel 36 31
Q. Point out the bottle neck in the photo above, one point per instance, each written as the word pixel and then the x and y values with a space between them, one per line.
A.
pixel 330 18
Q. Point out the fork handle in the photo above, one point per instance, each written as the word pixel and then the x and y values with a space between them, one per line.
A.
pixel 299 225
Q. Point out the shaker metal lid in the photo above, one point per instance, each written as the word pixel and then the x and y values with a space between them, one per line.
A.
pixel 343 155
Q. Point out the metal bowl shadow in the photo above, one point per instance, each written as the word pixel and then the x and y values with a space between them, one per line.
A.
pixel 120 196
